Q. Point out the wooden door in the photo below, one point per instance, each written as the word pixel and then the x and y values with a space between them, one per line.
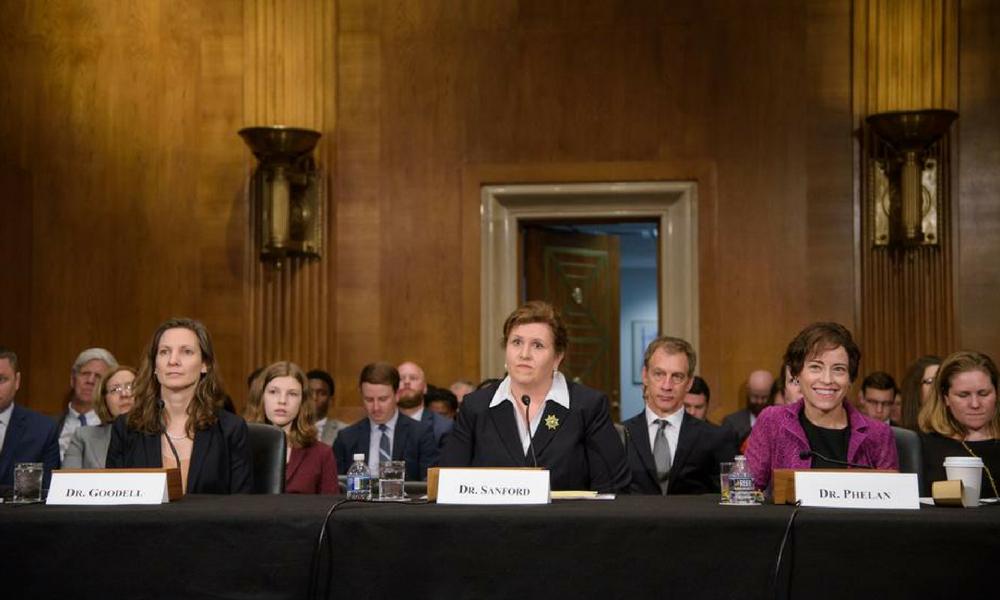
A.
pixel 578 274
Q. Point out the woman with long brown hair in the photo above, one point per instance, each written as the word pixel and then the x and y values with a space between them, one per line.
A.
pixel 280 396
pixel 178 419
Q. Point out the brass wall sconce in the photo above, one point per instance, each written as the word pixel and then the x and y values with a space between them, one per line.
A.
pixel 285 191
pixel 905 174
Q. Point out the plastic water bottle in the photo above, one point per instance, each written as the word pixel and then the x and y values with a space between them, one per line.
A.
pixel 359 480
pixel 741 488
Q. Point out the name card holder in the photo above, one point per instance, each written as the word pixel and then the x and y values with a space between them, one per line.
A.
pixel 488 485
pixel 783 481
pixel 856 489
pixel 102 487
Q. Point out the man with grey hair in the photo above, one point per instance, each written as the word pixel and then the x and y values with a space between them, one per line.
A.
pixel 668 450
pixel 88 369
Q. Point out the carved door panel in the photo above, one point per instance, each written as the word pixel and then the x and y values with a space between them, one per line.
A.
pixel 578 274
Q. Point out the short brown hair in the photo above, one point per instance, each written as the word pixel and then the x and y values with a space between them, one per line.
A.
pixel 935 416
pixel 101 406
pixel 820 337
pixel 671 345
pixel 11 356
pixel 302 433
pixel 380 373
pixel 538 311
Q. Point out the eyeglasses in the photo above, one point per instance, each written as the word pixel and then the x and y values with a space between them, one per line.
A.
pixel 880 404
pixel 125 388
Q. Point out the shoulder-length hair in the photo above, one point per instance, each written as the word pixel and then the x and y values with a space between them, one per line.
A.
pixel 302 433
pixel 209 396
pixel 101 393
pixel 818 338
pixel 935 415
pixel 912 391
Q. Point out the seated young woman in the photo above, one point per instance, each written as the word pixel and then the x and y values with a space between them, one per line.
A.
pixel 280 396
pixel 960 418
pixel 823 430
pixel 177 420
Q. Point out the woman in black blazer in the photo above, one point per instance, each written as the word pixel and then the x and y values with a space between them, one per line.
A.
pixel 177 420
pixel 534 416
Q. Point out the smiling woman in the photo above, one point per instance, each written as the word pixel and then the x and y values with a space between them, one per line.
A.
pixel 823 430
pixel 534 416
pixel 177 420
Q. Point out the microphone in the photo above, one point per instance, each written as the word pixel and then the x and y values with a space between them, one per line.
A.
pixel 526 400
pixel 812 453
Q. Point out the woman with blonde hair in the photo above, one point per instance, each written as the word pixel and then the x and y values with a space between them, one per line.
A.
pixel 178 421
pixel 280 396
pixel 960 418
pixel 88 448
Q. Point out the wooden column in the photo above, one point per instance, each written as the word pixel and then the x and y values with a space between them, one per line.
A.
pixel 290 79
pixel 905 58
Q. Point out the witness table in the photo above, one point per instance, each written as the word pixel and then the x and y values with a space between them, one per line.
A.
pixel 633 547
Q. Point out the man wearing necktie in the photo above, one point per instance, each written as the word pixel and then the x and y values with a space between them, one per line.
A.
pixel 386 433
pixel 669 451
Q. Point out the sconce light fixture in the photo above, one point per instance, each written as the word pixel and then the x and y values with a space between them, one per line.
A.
pixel 285 191
pixel 904 183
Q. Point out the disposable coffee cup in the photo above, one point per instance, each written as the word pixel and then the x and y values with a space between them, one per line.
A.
pixel 969 469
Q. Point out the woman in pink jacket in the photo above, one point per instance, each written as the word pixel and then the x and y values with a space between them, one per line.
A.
pixel 823 430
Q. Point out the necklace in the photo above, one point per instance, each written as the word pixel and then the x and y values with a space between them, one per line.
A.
pixel 180 437
pixel 985 468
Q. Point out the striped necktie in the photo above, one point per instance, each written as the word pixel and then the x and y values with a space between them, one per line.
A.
pixel 384 445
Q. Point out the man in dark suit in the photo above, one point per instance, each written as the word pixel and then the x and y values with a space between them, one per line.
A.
pixel 25 436
pixel 877 395
pixel 758 397
pixel 396 436
pixel 411 399
pixel 89 367
pixel 669 451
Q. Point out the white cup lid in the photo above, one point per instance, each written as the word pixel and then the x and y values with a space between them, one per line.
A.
pixel 359 457
pixel 963 461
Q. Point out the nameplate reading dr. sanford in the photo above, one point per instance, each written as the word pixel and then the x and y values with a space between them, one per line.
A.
pixel 857 489
pixel 493 486
pixel 107 488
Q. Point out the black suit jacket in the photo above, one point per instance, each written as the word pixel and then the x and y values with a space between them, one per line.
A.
pixel 412 441
pixel 30 437
pixel 738 423
pixel 583 452
pixel 701 446
pixel 220 460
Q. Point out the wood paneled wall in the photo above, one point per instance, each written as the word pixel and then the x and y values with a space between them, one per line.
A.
pixel 124 180
pixel 905 58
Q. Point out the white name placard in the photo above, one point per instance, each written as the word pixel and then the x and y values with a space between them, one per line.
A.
pixel 108 487
pixel 493 486
pixel 857 489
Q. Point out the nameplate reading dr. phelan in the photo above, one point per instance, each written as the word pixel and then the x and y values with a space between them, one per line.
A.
pixel 493 486
pixel 107 488
pixel 857 489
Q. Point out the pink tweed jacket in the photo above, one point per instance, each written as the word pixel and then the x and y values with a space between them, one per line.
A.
pixel 777 441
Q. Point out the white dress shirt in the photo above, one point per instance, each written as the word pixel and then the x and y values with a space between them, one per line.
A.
pixel 672 430
pixel 71 424
pixel 558 393
pixel 375 440
pixel 5 422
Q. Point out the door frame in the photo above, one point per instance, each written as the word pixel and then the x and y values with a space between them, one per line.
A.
pixel 672 204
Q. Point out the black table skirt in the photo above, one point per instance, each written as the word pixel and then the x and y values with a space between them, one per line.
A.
pixel 634 547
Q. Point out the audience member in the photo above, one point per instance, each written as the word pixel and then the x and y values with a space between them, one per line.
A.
pixel 25 435
pixel 697 398
pixel 398 438
pixel 758 392
pixel 960 418
pixel 877 394
pixel 322 389
pixel 896 414
pixel 461 389
pixel 441 401
pixel 786 388
pixel 280 396
pixel 668 450
pixel 565 426
pixel 88 368
pixel 176 421
pixel 412 389
pixel 89 447
pixel 823 430
pixel 917 388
